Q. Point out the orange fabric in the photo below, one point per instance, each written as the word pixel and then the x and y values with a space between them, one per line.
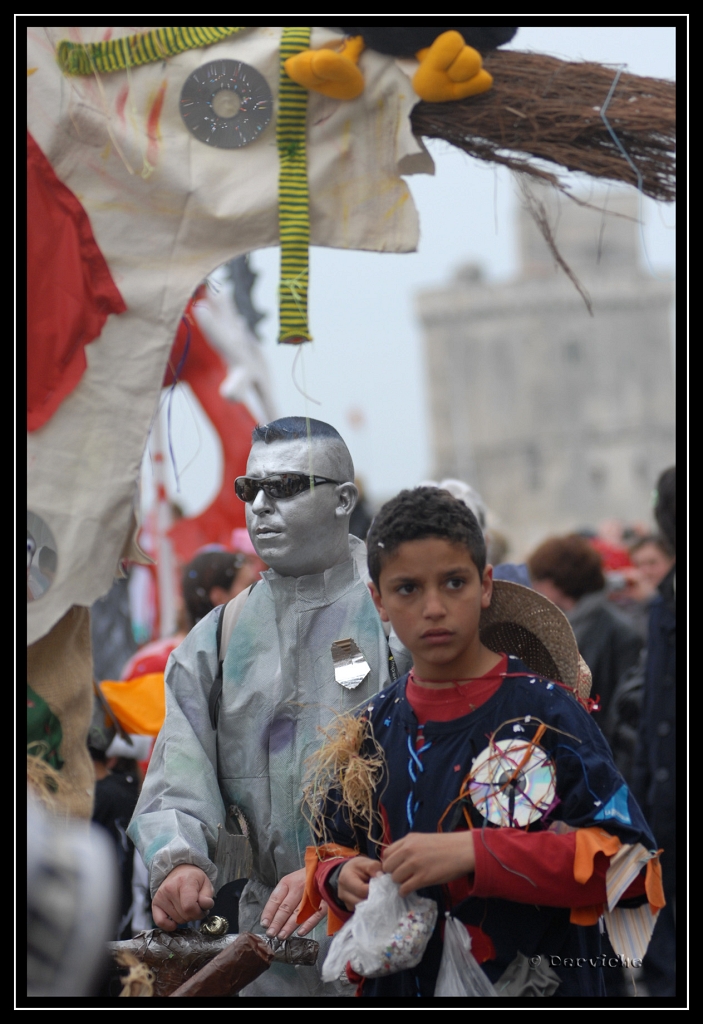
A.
pixel 589 842
pixel 311 901
pixel 138 704
pixel 653 884
pixel 586 915
pixel 311 897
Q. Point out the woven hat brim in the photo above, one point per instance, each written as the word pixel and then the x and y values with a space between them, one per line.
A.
pixel 521 622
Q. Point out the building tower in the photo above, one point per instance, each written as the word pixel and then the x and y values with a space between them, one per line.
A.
pixel 559 419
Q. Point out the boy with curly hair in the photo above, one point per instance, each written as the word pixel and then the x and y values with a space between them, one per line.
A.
pixel 498 797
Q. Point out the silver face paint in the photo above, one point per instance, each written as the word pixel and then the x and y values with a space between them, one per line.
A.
pixel 308 533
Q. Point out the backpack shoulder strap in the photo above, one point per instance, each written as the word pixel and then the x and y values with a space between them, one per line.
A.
pixel 225 627
pixel 229 617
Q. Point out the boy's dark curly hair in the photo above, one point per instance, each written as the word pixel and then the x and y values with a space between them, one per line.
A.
pixel 420 513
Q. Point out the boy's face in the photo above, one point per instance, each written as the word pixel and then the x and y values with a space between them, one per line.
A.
pixel 432 593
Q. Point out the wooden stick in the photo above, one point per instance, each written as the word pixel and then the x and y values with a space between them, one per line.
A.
pixel 236 966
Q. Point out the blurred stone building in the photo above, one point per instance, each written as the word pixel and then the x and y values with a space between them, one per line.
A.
pixel 559 419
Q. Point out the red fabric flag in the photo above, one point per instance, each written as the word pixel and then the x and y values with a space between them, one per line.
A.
pixel 70 291
pixel 204 369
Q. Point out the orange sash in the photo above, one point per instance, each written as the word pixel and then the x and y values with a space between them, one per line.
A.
pixel 311 897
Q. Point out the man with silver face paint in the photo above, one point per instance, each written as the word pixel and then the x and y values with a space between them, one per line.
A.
pixel 279 685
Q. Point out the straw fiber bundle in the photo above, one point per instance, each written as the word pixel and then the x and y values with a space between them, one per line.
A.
pixel 541 108
pixel 139 981
pixel 340 767
pixel 46 782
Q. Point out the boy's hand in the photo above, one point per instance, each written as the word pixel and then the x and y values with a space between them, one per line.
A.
pixel 353 881
pixel 422 859
pixel 186 894
pixel 280 915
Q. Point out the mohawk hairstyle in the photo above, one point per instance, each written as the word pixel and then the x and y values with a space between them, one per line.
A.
pixel 300 428
pixel 294 428
pixel 420 513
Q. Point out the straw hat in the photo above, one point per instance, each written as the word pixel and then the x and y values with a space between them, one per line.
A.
pixel 521 622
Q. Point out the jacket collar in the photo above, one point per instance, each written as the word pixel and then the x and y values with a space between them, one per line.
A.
pixel 319 589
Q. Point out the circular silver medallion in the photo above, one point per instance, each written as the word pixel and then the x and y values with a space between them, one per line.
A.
pixel 42 557
pixel 227 104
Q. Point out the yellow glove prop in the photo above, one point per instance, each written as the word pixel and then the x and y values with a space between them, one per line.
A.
pixel 450 70
pixel 331 71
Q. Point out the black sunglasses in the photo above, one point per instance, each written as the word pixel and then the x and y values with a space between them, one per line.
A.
pixel 282 485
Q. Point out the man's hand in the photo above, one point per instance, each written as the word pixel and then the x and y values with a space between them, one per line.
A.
pixel 422 859
pixel 186 894
pixel 353 880
pixel 280 915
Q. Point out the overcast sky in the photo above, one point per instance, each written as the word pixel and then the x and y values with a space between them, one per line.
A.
pixel 365 366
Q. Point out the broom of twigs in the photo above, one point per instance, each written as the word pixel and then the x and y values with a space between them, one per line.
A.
pixel 544 109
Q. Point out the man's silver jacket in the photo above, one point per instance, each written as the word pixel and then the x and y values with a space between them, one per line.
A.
pixel 279 687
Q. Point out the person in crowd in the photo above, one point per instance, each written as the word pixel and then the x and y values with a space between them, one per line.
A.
pixel 498 547
pixel 655 760
pixel 361 517
pixel 568 571
pixel 651 559
pixel 466 493
pixel 213 578
pixel 624 714
pixel 449 750
pixel 244 708
pixel 117 784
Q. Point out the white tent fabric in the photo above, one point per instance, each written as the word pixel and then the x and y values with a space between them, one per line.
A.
pixel 165 210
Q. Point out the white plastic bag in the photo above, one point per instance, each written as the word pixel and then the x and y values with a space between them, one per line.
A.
pixel 387 933
pixel 459 972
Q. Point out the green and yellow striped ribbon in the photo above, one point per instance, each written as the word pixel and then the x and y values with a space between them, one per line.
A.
pixel 131 51
pixel 293 195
